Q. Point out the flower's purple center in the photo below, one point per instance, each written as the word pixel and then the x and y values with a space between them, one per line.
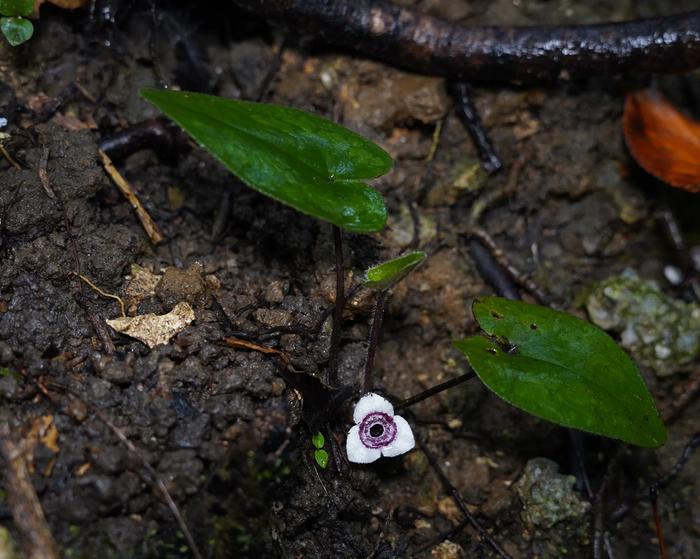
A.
pixel 377 430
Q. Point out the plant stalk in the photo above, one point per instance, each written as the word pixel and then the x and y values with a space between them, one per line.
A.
pixel 434 390
pixel 374 336
pixel 332 373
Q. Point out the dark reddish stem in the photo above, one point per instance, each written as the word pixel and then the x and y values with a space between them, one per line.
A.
pixel 332 374
pixel 654 499
pixel 374 336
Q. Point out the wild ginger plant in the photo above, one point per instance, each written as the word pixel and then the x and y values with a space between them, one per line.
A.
pixel 545 362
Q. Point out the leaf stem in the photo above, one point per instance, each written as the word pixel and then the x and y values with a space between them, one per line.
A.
pixel 434 390
pixel 374 336
pixel 654 499
pixel 332 373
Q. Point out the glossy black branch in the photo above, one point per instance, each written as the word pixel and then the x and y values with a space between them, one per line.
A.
pixel 422 43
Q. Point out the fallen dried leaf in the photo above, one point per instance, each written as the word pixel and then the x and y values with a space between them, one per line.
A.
pixel 662 140
pixel 153 329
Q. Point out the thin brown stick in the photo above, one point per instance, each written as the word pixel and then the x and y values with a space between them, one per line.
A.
pixel 97 322
pixel 24 503
pixel 125 188
pixel 663 481
pixel 104 293
pixel 155 478
pixel 159 482
pixel 690 391
pixel 10 159
pixel 237 343
pixel 516 275
pixel 457 498
pixel 43 173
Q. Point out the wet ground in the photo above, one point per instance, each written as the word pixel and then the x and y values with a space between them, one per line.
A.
pixel 219 425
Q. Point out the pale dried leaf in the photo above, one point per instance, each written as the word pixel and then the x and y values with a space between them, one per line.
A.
pixel 141 285
pixel 153 329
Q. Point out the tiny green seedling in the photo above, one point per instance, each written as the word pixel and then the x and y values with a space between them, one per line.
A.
pixel 305 161
pixel 14 25
pixel 563 369
pixel 387 274
pixel 320 455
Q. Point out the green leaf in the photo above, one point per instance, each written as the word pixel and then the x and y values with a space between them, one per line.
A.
pixel 17 30
pixel 317 440
pixel 16 7
pixel 563 369
pixel 321 457
pixel 388 274
pixel 300 159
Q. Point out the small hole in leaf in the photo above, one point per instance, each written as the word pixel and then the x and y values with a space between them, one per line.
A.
pixel 496 314
pixel 533 326
pixel 492 350
pixel 376 430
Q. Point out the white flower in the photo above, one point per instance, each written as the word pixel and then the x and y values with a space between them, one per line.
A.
pixel 378 432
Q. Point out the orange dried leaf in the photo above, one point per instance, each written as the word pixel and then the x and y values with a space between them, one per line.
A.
pixel 662 140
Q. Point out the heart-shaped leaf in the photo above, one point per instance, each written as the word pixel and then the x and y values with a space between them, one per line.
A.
pixel 16 30
pixel 563 369
pixel 300 159
pixel 387 274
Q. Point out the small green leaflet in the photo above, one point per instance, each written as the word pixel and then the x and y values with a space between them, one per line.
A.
pixel 300 159
pixel 563 369
pixel 388 274
pixel 321 458
pixel 318 441
pixel 16 30
pixel 16 7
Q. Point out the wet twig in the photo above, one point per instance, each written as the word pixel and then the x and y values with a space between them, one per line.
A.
pixel 680 402
pixel 24 503
pixel 491 271
pixel 662 481
pixel 125 188
pixel 426 44
pixel 97 322
pixel 457 498
pixel 468 115
pixel 43 174
pixel 513 273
